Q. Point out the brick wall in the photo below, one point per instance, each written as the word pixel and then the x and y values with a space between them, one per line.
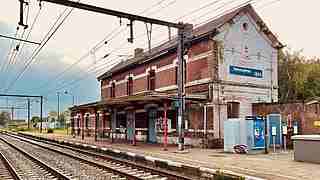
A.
pixel 196 118
pixel 198 69
pixel 121 89
pixel 166 78
pixel 139 84
pixel 304 114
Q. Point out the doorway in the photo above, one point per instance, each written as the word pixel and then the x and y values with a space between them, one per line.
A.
pixel 152 117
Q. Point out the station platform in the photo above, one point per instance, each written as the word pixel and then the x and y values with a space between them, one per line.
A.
pixel 275 166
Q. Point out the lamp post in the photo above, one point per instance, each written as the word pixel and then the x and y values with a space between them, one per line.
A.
pixel 58 96
pixel 73 98
pixel 73 103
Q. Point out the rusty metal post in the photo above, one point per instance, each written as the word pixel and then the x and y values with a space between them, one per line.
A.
pixel 165 125
pixel 96 118
pixel 134 127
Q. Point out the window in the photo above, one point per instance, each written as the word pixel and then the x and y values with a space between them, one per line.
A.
pixel 78 121
pixel 152 80
pixel 177 74
pixel 113 90
pixel 129 86
pixel 245 26
pixel 233 109
pixel 87 121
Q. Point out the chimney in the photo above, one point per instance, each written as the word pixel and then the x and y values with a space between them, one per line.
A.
pixel 138 52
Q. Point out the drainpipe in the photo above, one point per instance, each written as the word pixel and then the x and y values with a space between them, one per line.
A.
pixel 205 121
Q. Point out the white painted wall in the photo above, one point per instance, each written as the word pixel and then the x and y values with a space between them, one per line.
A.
pixel 248 49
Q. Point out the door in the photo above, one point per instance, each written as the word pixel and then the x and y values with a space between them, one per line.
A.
pixel 258 132
pixel 130 126
pixel 275 126
pixel 152 134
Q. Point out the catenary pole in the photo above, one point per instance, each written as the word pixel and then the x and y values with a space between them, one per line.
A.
pixel 28 113
pixel 41 112
pixel 58 96
pixel 182 29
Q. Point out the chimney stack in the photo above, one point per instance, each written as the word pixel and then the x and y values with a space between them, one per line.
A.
pixel 138 52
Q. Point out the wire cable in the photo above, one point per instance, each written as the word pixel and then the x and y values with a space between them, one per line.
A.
pixel 211 3
pixel 35 53
pixel 97 48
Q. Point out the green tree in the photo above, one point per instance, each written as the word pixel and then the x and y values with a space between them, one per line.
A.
pixel 4 118
pixel 35 119
pixel 299 77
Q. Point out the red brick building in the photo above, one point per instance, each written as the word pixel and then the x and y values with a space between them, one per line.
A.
pixel 139 93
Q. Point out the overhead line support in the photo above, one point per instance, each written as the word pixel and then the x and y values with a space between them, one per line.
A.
pixel 21 23
pixel 110 12
pixel 17 39
pixel 184 32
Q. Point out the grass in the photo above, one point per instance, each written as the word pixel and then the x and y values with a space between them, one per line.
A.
pixel 58 131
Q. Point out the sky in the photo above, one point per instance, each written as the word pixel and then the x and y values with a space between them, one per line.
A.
pixel 71 62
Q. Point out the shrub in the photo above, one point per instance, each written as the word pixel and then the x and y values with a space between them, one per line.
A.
pixel 50 130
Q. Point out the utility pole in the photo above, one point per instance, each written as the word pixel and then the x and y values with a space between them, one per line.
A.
pixel 12 112
pixel 41 113
pixel 28 113
pixel 180 90
pixel 25 96
pixel 183 29
pixel 58 95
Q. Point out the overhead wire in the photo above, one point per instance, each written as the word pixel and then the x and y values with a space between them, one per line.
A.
pixel 29 33
pixel 96 48
pixel 99 45
pixel 15 50
pixel 107 65
pixel 8 57
pixel 44 41
pixel 242 4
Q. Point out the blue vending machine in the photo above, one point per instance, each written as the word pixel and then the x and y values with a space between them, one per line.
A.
pixel 274 129
pixel 258 133
pixel 255 132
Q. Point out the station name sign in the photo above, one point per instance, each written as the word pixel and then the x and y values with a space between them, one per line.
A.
pixel 242 71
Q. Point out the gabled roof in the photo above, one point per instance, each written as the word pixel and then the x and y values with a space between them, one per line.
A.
pixel 207 29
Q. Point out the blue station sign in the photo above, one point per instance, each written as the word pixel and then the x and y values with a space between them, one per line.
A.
pixel 245 71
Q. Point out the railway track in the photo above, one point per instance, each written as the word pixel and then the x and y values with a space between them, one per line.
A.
pixel 67 167
pixel 121 169
pixel 23 166
pixel 6 169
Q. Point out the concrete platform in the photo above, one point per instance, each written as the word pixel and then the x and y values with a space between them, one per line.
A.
pixel 276 166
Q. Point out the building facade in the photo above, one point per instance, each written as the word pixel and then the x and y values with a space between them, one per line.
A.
pixel 231 63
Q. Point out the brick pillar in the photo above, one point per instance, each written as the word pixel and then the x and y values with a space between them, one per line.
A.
pixel 101 122
pixel 72 124
pixel 96 118
pixel 82 124
pixel 113 123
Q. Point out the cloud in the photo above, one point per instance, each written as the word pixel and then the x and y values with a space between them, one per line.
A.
pixel 45 68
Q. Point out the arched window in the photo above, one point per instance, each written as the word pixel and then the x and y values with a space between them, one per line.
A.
pixel 152 80
pixel 130 86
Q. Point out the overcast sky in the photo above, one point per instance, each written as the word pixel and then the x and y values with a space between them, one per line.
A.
pixel 293 21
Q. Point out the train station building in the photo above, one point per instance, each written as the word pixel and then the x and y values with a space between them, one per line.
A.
pixel 231 64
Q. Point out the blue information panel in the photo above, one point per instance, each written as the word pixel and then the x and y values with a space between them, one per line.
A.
pixel 242 71
pixel 258 131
